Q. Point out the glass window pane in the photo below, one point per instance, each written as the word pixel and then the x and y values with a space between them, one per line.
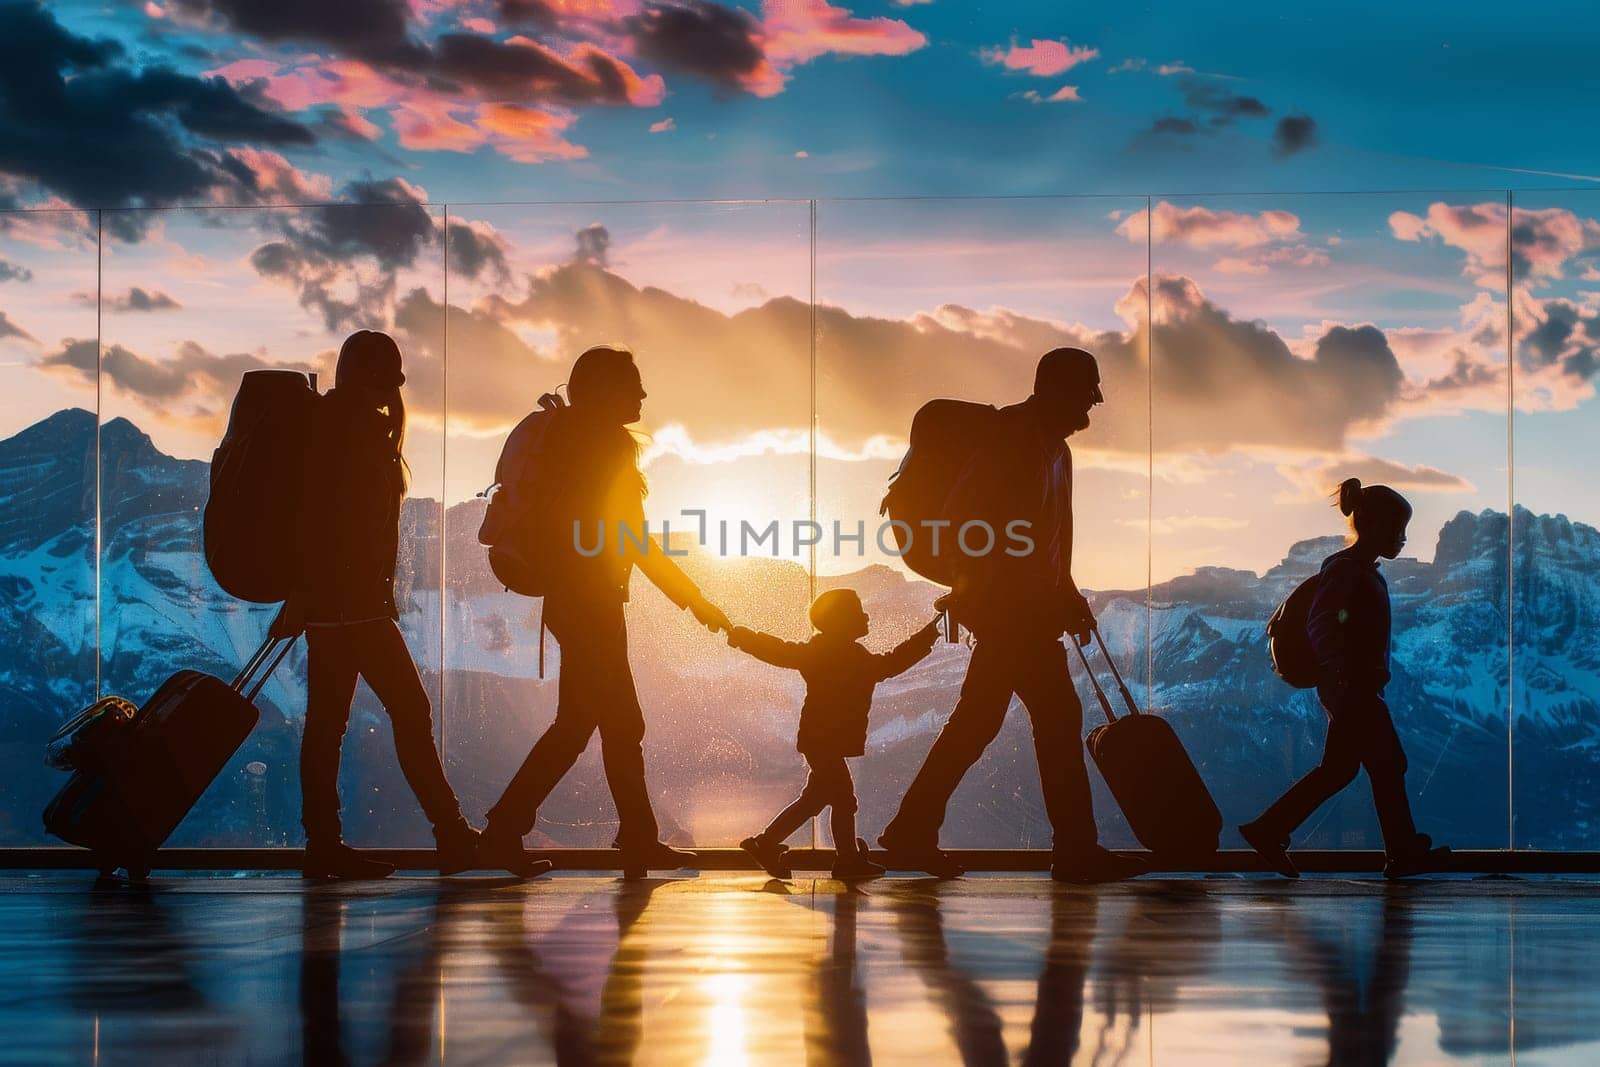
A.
pixel 960 298
pixel 1555 264
pixel 1300 340
pixel 202 297
pixel 713 300
pixel 47 482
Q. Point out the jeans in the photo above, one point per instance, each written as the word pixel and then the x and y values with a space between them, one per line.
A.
pixel 376 651
pixel 1032 666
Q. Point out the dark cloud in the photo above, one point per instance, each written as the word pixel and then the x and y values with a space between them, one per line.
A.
pixel 11 329
pixel 135 299
pixel 594 246
pixel 376 30
pixel 191 371
pixel 523 73
pixel 14 272
pixel 1565 337
pixel 532 13
pixel 342 258
pixel 1294 133
pixel 719 44
pixel 476 249
pixel 1171 125
pixel 78 120
pixel 1221 106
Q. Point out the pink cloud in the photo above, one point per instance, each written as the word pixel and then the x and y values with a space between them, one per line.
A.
pixel 1201 227
pixel 1262 262
pixel 664 126
pixel 478 25
pixel 798 31
pixel 281 181
pixel 1042 58
pixel 527 134
pixel 1064 95
pixel 1543 240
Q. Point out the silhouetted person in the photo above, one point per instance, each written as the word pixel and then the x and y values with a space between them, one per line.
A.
pixel 1348 624
pixel 840 675
pixel 1018 607
pixel 605 490
pixel 1364 1012
pixel 345 601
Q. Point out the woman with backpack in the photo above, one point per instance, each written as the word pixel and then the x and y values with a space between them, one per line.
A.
pixel 1348 626
pixel 345 601
pixel 597 526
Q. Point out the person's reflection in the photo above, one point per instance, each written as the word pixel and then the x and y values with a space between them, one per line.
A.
pixel 1170 937
pixel 836 1004
pixel 974 1021
pixel 1364 1008
pixel 321 927
pixel 547 982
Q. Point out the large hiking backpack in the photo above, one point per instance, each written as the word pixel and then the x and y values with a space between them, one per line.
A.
pixel 1289 637
pixel 258 476
pixel 945 435
pixel 517 526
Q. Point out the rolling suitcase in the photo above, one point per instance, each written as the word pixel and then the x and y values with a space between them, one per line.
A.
pixel 1155 782
pixel 135 776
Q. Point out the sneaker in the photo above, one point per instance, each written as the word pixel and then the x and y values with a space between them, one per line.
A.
pixel 501 851
pixel 1422 858
pixel 1275 850
pixel 456 848
pixel 1094 865
pixel 640 860
pixel 769 855
pixel 337 861
pixel 918 856
pixel 855 866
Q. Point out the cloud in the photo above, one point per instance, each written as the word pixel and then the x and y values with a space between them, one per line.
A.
pixel 342 259
pixel 78 122
pixel 1202 227
pixel 666 125
pixel 14 272
pixel 378 30
pixel 135 299
pixel 191 372
pixel 594 244
pixel 11 329
pixel 1221 105
pixel 1320 478
pixel 1294 133
pixel 1297 255
pixel 1041 58
pixel 798 31
pixel 1063 95
pixel 1542 240
pixel 721 45
pixel 476 248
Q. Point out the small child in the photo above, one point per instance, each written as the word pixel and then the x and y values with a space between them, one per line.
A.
pixel 840 675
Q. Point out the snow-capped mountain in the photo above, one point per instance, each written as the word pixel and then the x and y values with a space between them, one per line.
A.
pixel 721 736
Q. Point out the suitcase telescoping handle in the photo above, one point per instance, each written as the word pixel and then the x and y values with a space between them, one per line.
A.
pixel 1100 694
pixel 261 665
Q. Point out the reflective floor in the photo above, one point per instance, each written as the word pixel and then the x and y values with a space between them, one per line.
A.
pixel 733 969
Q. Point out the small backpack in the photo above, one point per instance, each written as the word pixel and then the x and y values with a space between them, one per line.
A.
pixel 251 523
pixel 1289 637
pixel 945 435
pixel 516 526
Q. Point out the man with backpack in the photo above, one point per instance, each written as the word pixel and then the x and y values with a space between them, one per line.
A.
pixel 1017 602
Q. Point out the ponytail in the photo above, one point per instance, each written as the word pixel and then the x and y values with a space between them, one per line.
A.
pixel 1348 496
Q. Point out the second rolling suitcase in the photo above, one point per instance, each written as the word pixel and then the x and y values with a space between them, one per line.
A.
pixel 1155 782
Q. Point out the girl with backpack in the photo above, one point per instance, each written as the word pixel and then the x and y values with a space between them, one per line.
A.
pixel 1348 625
pixel 600 502
pixel 344 600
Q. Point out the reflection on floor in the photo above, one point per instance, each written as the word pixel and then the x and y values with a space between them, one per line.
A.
pixel 731 970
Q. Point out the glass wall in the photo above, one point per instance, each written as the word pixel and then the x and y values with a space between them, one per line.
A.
pixel 1254 351
pixel 1300 341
